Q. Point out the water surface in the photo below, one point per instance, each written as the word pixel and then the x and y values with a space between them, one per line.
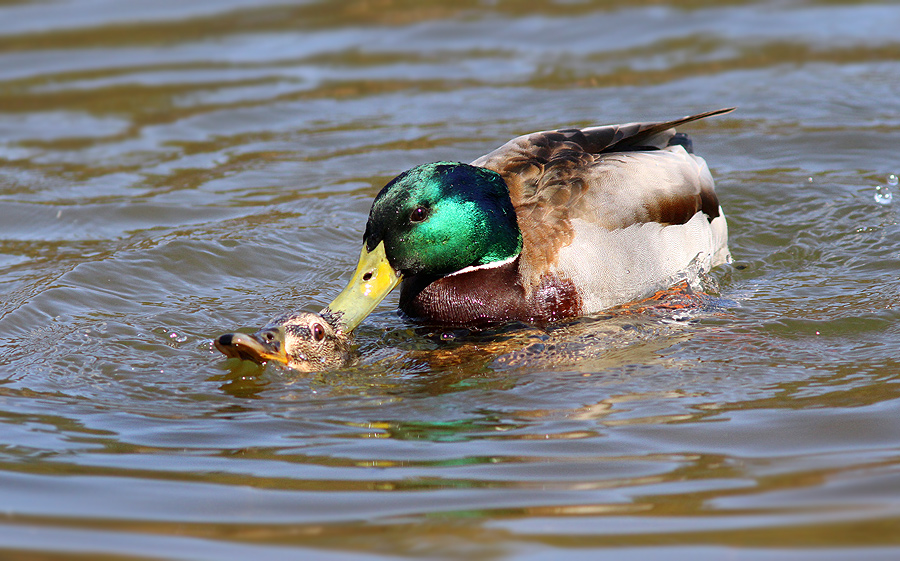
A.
pixel 173 170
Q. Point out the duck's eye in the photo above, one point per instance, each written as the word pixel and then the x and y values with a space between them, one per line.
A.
pixel 318 332
pixel 419 214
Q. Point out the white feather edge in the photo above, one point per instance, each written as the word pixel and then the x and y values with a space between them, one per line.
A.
pixel 492 265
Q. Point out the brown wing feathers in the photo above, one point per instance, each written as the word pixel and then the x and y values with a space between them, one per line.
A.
pixel 549 172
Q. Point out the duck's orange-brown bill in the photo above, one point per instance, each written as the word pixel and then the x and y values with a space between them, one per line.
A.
pixel 261 347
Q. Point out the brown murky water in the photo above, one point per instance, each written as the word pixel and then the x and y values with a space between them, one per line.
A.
pixel 173 170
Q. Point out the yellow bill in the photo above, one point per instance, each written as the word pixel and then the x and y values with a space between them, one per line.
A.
pixel 373 280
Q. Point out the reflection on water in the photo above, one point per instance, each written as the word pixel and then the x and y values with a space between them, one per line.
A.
pixel 170 171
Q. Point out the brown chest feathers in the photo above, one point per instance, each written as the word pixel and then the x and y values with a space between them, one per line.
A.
pixel 489 295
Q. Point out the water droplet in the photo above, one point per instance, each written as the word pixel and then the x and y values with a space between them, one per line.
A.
pixel 883 195
pixel 893 180
pixel 177 337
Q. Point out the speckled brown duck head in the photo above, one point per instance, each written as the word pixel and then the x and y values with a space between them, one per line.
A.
pixel 303 341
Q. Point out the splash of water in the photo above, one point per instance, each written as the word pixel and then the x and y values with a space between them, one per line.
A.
pixel 883 195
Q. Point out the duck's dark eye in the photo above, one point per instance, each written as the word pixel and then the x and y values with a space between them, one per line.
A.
pixel 419 214
pixel 318 332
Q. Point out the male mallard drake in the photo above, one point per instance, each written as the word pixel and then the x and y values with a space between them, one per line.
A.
pixel 550 225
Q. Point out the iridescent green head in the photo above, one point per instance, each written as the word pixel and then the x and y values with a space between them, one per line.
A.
pixel 432 220
pixel 439 218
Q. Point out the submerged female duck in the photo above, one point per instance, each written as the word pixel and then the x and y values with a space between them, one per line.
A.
pixel 550 225
pixel 302 340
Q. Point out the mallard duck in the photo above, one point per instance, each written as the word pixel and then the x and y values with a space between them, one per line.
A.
pixel 301 340
pixel 550 225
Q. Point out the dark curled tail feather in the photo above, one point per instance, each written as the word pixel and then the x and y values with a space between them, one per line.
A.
pixel 683 140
